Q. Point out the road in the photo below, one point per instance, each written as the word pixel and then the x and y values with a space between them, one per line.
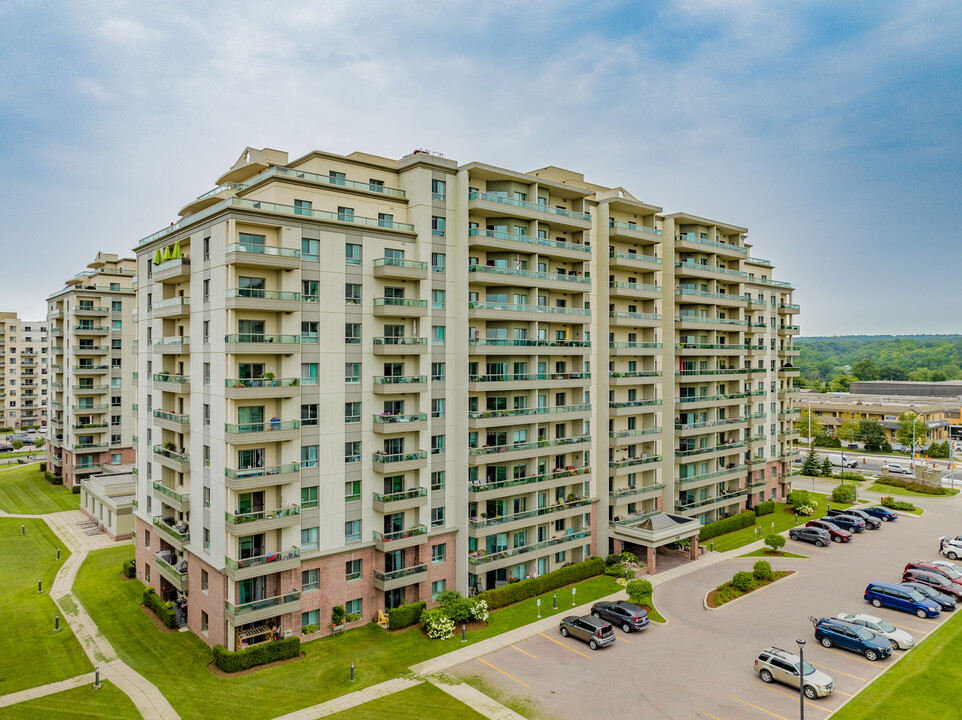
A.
pixel 872 464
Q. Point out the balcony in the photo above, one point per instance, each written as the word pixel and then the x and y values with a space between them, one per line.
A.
pixel 630 407
pixel 243 388
pixel 523 519
pixel 512 242
pixel 633 493
pixel 251 478
pixel 708 503
pixel 256 522
pixel 399 384
pixel 693 401
pixel 504 558
pixel 91 311
pixel 172 421
pixel 720 373
pixel 165 382
pixel 633 319
pixel 503 346
pixel 399 345
pixel 89 330
pixel 90 349
pixel 788 308
pixel 699 244
pixel 711 272
pixel 558 413
pixel 503 488
pixel 398 269
pixel 403 500
pixel 91 369
pixel 87 389
pixel 496 275
pixel 85 408
pixel 389 542
pixel 177 534
pixel 788 329
pixel 394 579
pixel 267 300
pixel 246 343
pixel 726 472
pixel 174 345
pixel 263 564
pixel 273 431
pixel 789 371
pixel 398 462
pixel 633 231
pixel 690 348
pixel 163 565
pixel 171 459
pixel 723 448
pixel 172 270
pixel 632 463
pixel 171 308
pixel 516 451
pixel 490 205
pixel 263 609
pixel 88 447
pixel 634 348
pixel 633 262
pixel 523 381
pixel 400 307
pixel 178 501
pixel 688 429
pixel 495 311
pixel 87 469
pixel 410 422
pixel 615 437
pixel 634 290
pixel 262 256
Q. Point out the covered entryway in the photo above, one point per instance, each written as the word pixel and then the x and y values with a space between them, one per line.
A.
pixel 656 530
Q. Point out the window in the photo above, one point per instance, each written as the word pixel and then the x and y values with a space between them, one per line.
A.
pixel 116 344
pixel 352 570
pixel 206 373
pixel 206 497
pixel 115 401
pixel 437 262
pixel 206 249
pixel 352 412
pixel 437 189
pixel 337 178
pixel 353 607
pixel 206 538
pixel 310 249
pixel 115 458
pixel 437 371
pixel 437 226
pixel 206 415
pixel 114 362
pixel 116 305
pixel 310 618
pixel 437 516
pixel 352 373
pixel 309 538
pixel 438 552
pixel 116 325
pixel 204 581
pixel 146 538
pixel 206 291
pixel 116 382
pixel 308 456
pixel 309 290
pixel 309 333
pixel 352 254
pixel 352 531
pixel 203 621
pixel 437 444
pixel 437 407
pixel 437 480
pixel 309 496
pixel 352 490
pixel 308 415
pixel 375 185
pixel 346 214
pixel 308 373
pixel 352 333
pixel 310 580
pixel 206 331
pixel 352 451
pixel 352 294
pixel 385 220
pixel 302 207
pixel 437 335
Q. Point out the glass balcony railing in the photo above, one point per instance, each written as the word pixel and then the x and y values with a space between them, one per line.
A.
pixel 789 306
pixel 176 340
pixel 716 371
pixel 387 419
pixel 84 407
pixel 267 559
pixel 171 454
pixel 261 382
pixel 413 341
pixel 528 480
pixel 91 348
pixel 637 257
pixel 505 342
pixel 686 452
pixel 262 294
pixel 634 345
pixel 634 373
pixel 172 379
pixel 85 388
pixel 89 446
pixel 711 398
pixel 403 572
pixel 171 302
pixel 261 338
pixel 614 405
pixel 708 423
pixel 262 250
pixel 528 239
pixel 718 296
pixel 709 346
pixel 691 266
pixel 501 199
pixel 543 309
pixel 711 243
pixel 514 447
pixel 401 495
pixel 172 417
pixel 259 427
pixel 382 458
pixel 481 557
pixel 476 523
pixel 634 315
pixel 399 379
pixel 525 412
pixel 242 518
pixel 634 227
pixel 710 320
pixel 514 272
pixel 633 462
pixel 89 368
pixel 400 534
pixel 401 263
pixel 162 562
pixel 172 264
pixel 399 302
pixel 177 534
pixel 168 493
pixel 636 490
pixel 634 433
pixel 718 473
pixel 318 214
pixel 727 496
pixel 261 604
pixel 324 179
pixel 261 471
pixel 634 286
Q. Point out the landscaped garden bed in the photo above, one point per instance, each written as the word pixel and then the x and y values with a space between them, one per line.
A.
pixel 743 583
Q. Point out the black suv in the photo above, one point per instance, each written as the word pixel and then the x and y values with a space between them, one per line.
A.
pixel 871 522
pixel 849 522
pixel 820 537
pixel 623 614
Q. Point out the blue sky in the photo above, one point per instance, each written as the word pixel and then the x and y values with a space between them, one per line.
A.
pixel 830 130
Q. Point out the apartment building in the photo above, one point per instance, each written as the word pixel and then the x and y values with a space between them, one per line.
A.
pixel 93 332
pixel 23 372
pixel 936 415
pixel 363 381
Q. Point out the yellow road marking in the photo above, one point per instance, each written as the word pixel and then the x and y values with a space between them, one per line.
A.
pixel 842 693
pixel 859 659
pixel 715 717
pixel 558 642
pixel 826 667
pixel 502 672
pixel 522 651
pixel 769 712
pixel 794 697
pixel 623 640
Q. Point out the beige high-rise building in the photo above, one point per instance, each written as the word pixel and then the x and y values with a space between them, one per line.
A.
pixel 24 373
pixel 363 381
pixel 92 331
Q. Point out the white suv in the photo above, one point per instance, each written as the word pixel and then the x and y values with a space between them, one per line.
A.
pixel 901 639
pixel 896 469
pixel 774 664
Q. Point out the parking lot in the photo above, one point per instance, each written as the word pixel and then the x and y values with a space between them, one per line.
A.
pixel 700 665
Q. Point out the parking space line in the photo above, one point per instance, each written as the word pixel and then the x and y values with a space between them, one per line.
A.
pixel 826 667
pixel 523 652
pixel 618 637
pixel 564 646
pixel 714 717
pixel 502 672
pixel 769 712
pixel 842 693
pixel 850 656
pixel 798 544
pixel 794 697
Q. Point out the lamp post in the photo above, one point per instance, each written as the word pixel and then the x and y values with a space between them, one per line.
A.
pixel 915 420
pixel 801 679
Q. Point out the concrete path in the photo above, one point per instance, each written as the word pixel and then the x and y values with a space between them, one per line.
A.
pixel 346 702
pixel 477 701
pixel 44 690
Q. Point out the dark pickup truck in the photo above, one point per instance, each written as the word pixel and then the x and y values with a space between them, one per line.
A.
pixel 870 520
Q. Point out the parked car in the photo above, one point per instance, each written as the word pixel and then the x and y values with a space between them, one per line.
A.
pixel 842 461
pixel 819 536
pixel 831 632
pixel 946 602
pixel 623 614
pixel 896 469
pixel 951 547
pixel 849 522
pixel 934 580
pixel 948 573
pixel 838 535
pixel 948 563
pixel 597 633
pixel 870 521
pixel 886 594
pixel 6 448
pixel 899 638
pixel 773 664
pixel 882 513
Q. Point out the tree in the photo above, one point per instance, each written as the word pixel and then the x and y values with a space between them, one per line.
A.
pixel 639 591
pixel 16 444
pixel 872 433
pixel 905 434
pixel 775 542
pixel 841 383
pixel 827 469
pixel 810 466
pixel 848 430
pixel 938 376
pixel 865 370
pixel 892 372
pixel 802 424
pixel 39 441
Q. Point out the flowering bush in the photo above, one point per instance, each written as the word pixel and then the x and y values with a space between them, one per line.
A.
pixel 479 610
pixel 805 509
pixel 437 624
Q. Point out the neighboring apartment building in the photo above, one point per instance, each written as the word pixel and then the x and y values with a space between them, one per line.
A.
pixel 363 381
pixel 92 330
pixel 936 415
pixel 24 374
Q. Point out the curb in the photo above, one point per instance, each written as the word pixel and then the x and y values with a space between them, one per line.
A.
pixel 704 601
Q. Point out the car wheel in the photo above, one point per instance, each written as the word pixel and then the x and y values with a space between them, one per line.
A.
pixel 793 536
pixel 765 676
pixel 592 644
pixel 596 614
pixel 876 602
pixel 564 632
pixel 810 692
pixel 626 627
pixel 921 613
pixel 871 655
pixel 826 641
pixel 885 519
pixel 953 556
pixel 837 539
pixel 819 543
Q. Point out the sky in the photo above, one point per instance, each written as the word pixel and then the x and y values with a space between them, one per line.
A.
pixel 830 130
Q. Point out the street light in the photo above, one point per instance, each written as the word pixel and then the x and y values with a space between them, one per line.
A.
pixel 801 679
pixel 913 438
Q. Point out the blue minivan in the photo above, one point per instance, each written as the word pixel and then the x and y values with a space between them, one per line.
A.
pixel 899 597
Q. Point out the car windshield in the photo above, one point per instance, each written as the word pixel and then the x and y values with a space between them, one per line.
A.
pixel 865 633
pixel 951 572
pixel 808 668
pixel 885 627
pixel 915 594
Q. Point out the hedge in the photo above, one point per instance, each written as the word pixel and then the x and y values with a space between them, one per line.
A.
pixel 163 610
pixel 765 508
pixel 76 489
pixel 892 504
pixel 724 526
pixel 130 569
pixel 267 652
pixel 43 467
pixel 53 479
pixel 405 615
pixel 913 485
pixel 532 587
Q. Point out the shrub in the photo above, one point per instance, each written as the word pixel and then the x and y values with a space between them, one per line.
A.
pixel 532 587
pixel 893 504
pixel 405 615
pixel 76 488
pixel 726 525
pixel 762 570
pixel 437 624
pixel 775 541
pixel 479 610
pixel 163 610
pixel 308 629
pixel 43 467
pixel 827 441
pixel 805 510
pixel 913 485
pixel 938 450
pixel 639 592
pixel 53 479
pixel 353 617
pixel 612 559
pixel 849 475
pixel 261 654
pixel 799 497
pixel 765 508
pixel 337 614
pixel 459 609
pixel 843 494
pixel 130 569
pixel 615 570
pixel 743 581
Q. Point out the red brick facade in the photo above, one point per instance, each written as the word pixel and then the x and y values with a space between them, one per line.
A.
pixel 128 456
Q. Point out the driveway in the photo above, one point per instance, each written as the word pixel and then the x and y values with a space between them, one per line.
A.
pixel 700 664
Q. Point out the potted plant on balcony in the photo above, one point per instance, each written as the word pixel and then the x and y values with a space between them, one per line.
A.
pixel 169 445
pixel 268 378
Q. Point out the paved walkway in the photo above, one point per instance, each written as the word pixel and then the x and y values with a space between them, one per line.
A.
pixel 346 702
pixel 38 692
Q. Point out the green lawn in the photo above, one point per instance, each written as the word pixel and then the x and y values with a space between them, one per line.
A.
pixel 891 490
pixel 22 453
pixel 924 684
pixel 23 491
pixel 783 519
pixel 82 703
pixel 31 653
pixel 176 662
pixel 423 702
pixel 767 553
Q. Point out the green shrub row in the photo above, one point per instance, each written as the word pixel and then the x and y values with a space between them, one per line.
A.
pixel 234 661
pixel 765 508
pixel 532 587
pixel 405 615
pixel 130 569
pixel 53 479
pixel 913 485
pixel 163 610
pixel 892 504
pixel 726 525
pixel 76 489
pixel 43 467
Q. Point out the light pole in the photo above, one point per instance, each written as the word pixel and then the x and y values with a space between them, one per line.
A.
pixel 915 420
pixel 801 679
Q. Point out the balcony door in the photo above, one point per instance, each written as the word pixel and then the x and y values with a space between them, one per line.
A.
pixel 251 546
pixel 252 589
pixel 393 561
pixel 393 523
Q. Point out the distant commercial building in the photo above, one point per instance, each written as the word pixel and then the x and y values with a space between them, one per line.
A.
pixel 833 408
pixel 24 373
pixel 947 389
